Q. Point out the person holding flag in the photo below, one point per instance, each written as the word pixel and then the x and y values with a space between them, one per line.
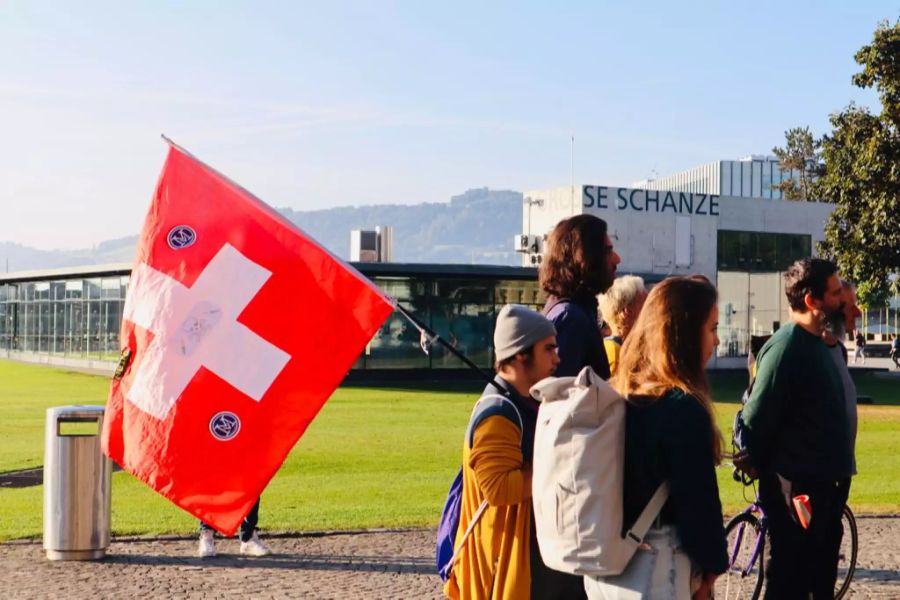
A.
pixel 237 327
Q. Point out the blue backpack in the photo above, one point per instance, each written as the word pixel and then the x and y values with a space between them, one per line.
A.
pixel 446 551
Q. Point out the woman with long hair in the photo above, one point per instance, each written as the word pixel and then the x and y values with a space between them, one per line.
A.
pixel 670 429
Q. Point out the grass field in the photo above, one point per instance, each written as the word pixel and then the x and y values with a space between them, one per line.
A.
pixel 373 457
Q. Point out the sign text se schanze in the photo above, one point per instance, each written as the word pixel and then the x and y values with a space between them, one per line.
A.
pixel 601 196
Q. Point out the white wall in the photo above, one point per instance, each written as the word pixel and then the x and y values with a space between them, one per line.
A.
pixel 643 223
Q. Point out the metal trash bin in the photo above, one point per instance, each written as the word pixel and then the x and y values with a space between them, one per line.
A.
pixel 77 479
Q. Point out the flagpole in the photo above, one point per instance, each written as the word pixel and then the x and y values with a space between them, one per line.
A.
pixel 429 336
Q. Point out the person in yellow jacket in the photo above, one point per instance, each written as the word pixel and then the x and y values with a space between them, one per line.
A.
pixel 500 559
pixel 620 306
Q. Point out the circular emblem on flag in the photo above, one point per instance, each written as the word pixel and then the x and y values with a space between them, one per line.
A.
pixel 224 426
pixel 181 236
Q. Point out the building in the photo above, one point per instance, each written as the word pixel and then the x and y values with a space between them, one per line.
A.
pixel 72 317
pixel 750 177
pixel 741 244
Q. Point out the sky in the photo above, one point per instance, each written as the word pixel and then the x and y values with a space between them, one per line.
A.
pixel 316 105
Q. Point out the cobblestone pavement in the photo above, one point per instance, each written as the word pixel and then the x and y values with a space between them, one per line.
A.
pixel 387 564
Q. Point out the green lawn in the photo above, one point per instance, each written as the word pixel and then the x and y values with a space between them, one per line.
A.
pixel 373 458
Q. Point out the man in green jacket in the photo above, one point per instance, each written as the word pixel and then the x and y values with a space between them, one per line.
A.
pixel 799 436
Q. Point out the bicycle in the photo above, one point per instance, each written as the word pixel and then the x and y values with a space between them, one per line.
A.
pixel 746 535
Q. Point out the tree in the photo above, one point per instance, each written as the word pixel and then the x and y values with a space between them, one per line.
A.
pixel 862 174
pixel 801 153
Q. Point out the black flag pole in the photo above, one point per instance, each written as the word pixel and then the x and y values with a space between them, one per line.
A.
pixel 428 337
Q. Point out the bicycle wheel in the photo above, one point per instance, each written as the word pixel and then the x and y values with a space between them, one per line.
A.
pixel 847 555
pixel 746 551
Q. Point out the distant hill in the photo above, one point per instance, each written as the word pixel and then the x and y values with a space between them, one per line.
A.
pixel 474 227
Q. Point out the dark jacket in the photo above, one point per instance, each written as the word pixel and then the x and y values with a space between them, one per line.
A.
pixel 670 439
pixel 578 336
pixel 796 417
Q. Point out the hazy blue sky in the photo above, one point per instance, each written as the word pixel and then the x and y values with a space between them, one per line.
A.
pixel 313 105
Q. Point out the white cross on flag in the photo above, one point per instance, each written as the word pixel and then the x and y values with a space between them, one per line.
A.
pixel 238 327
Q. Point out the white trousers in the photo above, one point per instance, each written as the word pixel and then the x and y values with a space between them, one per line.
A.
pixel 660 570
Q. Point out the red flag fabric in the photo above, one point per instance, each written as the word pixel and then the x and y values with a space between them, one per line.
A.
pixel 239 328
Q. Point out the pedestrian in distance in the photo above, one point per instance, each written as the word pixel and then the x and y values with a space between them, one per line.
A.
pixel 859 354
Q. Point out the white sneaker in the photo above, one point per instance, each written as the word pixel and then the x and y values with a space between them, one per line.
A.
pixel 207 545
pixel 255 547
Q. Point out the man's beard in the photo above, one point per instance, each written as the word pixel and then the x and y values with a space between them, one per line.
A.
pixel 606 281
pixel 834 322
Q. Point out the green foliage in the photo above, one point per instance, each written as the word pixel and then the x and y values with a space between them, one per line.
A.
pixel 862 175
pixel 801 153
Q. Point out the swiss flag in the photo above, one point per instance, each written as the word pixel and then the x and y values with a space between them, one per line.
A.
pixel 238 328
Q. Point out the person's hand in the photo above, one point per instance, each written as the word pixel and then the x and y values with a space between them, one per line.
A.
pixel 741 462
pixel 705 591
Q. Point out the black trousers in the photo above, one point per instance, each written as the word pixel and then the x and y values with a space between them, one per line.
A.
pixel 803 561
pixel 547 584
pixel 248 525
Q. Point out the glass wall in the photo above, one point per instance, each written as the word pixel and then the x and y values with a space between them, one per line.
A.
pixel 751 289
pixel 757 251
pixel 78 318
pixel 461 311
pixel 749 304
pixel 753 178
pixel 81 318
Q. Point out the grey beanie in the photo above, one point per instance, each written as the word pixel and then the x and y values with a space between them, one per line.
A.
pixel 518 329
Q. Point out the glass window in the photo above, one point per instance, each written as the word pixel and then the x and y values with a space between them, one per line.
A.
pixel 725 178
pixel 733 290
pixel 463 315
pixel 111 313
pixel 767 179
pixel 519 292
pixel 758 251
pixel 756 183
pixel 74 288
pixel 93 329
pixel 91 289
pixel 109 288
pixel 396 344
pixel 58 343
pixel 765 252
pixel 746 178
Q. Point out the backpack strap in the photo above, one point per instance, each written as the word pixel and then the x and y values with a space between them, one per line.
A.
pixel 462 543
pixel 640 528
pixel 553 304
pixel 492 405
pixel 487 406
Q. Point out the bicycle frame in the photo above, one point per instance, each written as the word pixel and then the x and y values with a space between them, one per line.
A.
pixel 754 509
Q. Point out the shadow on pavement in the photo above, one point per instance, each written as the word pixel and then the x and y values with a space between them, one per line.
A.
pixel 313 562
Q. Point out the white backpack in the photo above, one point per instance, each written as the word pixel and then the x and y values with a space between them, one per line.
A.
pixel 577 483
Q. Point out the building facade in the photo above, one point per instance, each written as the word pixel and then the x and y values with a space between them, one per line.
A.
pixel 753 176
pixel 741 244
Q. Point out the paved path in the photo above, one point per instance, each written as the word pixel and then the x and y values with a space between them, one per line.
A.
pixel 361 565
